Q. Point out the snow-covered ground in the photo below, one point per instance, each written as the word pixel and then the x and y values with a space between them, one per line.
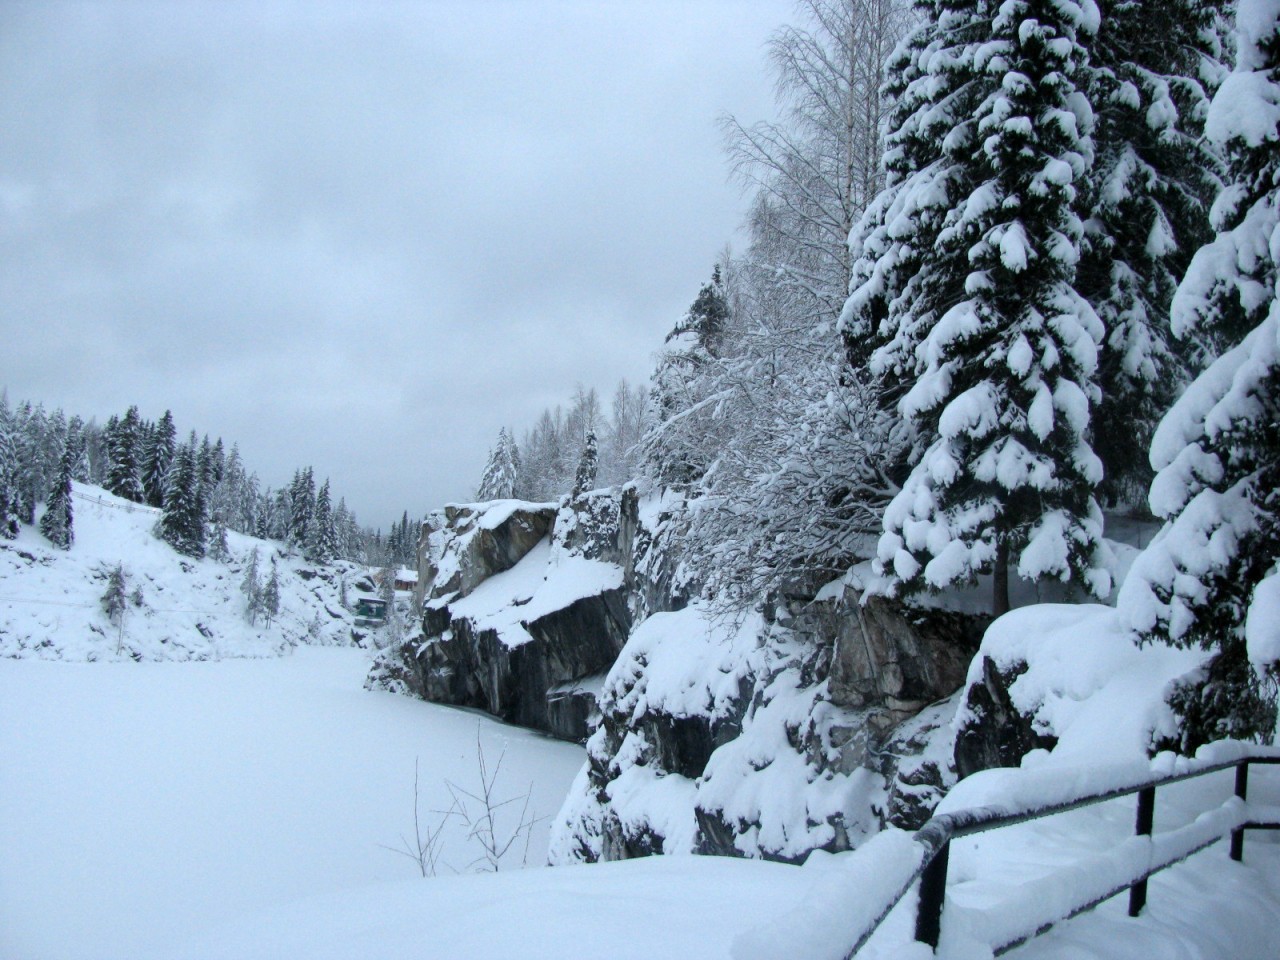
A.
pixel 244 807
pixel 239 809
pixel 143 803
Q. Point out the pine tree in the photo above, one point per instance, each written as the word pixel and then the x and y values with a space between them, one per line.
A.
pixel 588 465
pixel 1149 192
pixel 1212 577
pixel 29 479
pixel 78 432
pixel 156 462
pixel 302 506
pixel 182 525
pixel 677 449
pixel 125 478
pixel 322 544
pixel 9 496
pixel 219 549
pixel 56 524
pixel 501 471
pixel 271 594
pixel 251 587
pixel 973 263
pixel 113 601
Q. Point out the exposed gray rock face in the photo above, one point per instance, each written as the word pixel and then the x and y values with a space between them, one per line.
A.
pixel 467 664
pixel 573 708
pixel 808 724
pixel 553 611
pixel 826 703
pixel 898 659
pixel 461 546
pixel 996 733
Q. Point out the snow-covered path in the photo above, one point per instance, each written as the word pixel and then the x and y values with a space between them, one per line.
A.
pixel 140 803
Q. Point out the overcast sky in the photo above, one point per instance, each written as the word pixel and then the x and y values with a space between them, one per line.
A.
pixel 361 236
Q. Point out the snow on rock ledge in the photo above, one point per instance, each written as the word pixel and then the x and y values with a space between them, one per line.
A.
pixel 729 736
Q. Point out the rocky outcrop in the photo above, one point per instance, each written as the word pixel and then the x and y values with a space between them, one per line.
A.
pixel 521 604
pixel 896 659
pixel 807 724
pixel 996 733
pixel 771 736
pixel 467 663
pixel 461 546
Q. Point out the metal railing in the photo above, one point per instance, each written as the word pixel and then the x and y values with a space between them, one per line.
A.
pixel 1128 867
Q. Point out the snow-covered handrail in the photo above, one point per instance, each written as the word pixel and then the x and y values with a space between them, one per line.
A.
pixel 1049 792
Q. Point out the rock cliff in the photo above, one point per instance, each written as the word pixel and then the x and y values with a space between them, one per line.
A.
pixel 807 723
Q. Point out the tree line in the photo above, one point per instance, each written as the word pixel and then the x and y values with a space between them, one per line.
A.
pixel 202 489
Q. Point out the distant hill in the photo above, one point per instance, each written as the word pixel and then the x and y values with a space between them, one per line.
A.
pixel 178 608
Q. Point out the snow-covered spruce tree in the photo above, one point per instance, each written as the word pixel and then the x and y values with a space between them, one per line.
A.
pixel 271 594
pixel 584 478
pixel 322 544
pixel 302 506
pixel 157 458
pixel 78 432
pixel 30 482
pixel 8 473
pixel 56 524
pixel 498 481
pixel 1212 576
pixel 113 600
pixel 251 587
pixel 182 525
pixel 219 549
pixel 970 259
pixel 125 477
pixel 1153 179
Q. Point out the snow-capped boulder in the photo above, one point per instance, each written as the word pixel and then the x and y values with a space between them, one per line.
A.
pixel 1067 678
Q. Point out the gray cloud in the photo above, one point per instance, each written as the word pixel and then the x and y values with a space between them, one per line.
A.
pixel 360 236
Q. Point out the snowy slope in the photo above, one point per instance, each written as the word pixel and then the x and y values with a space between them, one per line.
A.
pixel 50 599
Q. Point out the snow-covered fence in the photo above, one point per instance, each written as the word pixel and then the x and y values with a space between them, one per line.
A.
pixel 1037 905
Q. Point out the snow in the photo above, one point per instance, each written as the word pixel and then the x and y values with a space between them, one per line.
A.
pixel 533 588
pixel 50 599
pixel 143 803
pixel 1262 626
pixel 632 910
pixel 1085 680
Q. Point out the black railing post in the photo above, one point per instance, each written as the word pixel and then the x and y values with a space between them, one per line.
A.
pixel 1146 815
pixel 1242 791
pixel 933 890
